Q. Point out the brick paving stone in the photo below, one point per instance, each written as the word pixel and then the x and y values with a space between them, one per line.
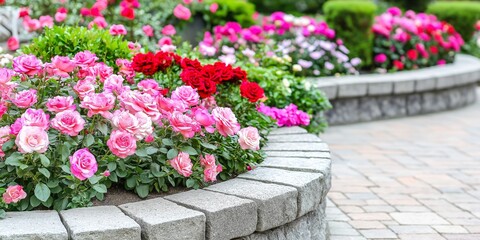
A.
pixel 379 234
pixel 417 176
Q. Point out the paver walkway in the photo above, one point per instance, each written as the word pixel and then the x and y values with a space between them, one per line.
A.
pixel 410 178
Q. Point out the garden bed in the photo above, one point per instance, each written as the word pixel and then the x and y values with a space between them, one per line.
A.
pixel 382 96
pixel 283 197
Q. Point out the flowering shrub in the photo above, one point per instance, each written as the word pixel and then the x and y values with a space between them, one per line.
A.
pixel 411 40
pixel 72 127
pixel 473 47
pixel 309 45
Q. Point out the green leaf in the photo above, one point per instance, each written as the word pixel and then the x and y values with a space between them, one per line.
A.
pixel 3 214
pixel 190 182
pixel 101 188
pixel 66 169
pixel 42 192
pixel 142 190
pixel 8 145
pixel 163 150
pixel 44 160
pixel 45 172
pixel 172 153
pixel 89 140
pixel 151 150
pixel 94 179
pixel 112 166
pixel 103 128
pixel 14 159
pixel 208 145
pixel 131 182
pixel 190 150
pixel 34 201
pixel 60 204
pixel 142 152
pixel 167 142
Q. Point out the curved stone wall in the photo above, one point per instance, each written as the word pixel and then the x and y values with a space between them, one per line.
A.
pixel 284 198
pixel 382 96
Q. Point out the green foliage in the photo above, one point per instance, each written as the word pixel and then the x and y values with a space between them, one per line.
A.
pixel 289 6
pixel 415 5
pixel 67 41
pixel 239 11
pixel 462 15
pixel 352 21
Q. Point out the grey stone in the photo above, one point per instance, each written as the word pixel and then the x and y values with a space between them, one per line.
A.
pixel 297 146
pixel 310 186
pixel 288 131
pixel 403 86
pixel 330 90
pixel 353 88
pixel 380 88
pixel 293 138
pixel 298 154
pixel 432 102
pixel 343 111
pixel 414 104
pixel 104 222
pixel 393 106
pixel 41 225
pixel 321 165
pixel 311 226
pixel 425 84
pixel 369 109
pixel 227 216
pixel 447 81
pixel 162 219
pixel 277 204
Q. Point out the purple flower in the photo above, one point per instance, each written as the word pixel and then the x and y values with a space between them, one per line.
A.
pixel 329 66
pixel 305 63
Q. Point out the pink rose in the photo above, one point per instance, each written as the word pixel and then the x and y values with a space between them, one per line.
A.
pixel 83 164
pixel 4 137
pixel 14 194
pixel 59 104
pixel 16 126
pixel 135 101
pixel 248 138
pixel 103 71
pixel 6 75
pixel 27 64
pixel 210 173
pixel 68 122
pixel 31 24
pixel 60 17
pixel 225 121
pixel 186 94
pixel 25 98
pixel 98 103
pixel 182 12
pixel 125 121
pixel 114 83
pixel 380 58
pixel 35 118
pixel 46 21
pixel 207 161
pixel 167 105
pixel 182 164
pixel 184 124
pixel 214 7
pixel 187 1
pixel 145 127
pixel 165 41
pixel 169 30
pixel 100 22
pixel 84 88
pixel 63 66
pixel 32 139
pixel 203 117
pixel 122 144
pixel 106 173
pixel 149 86
pixel 13 44
pixel 85 59
pixel 148 30
pixel 116 30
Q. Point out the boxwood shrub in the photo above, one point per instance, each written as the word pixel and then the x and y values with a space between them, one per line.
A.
pixel 67 41
pixel 352 21
pixel 462 15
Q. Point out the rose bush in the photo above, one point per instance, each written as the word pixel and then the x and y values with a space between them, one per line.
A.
pixel 411 41
pixel 72 127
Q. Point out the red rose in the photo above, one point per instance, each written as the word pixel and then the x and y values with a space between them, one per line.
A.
pixel 226 71
pixel 189 63
pixel 23 12
pixel 145 63
pixel 398 64
pixel 128 13
pixel 13 44
pixel 211 73
pixel 205 87
pixel 95 12
pixel 433 49
pixel 164 60
pixel 239 74
pixel 252 91
pixel 412 54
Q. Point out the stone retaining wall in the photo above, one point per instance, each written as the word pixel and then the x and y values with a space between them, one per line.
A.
pixel 382 96
pixel 284 198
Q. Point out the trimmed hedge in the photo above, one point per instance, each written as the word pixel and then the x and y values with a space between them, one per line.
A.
pixel 352 21
pixel 462 15
pixel 240 11
pixel 289 6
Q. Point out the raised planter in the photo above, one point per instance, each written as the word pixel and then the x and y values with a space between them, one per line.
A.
pixel 382 96
pixel 284 198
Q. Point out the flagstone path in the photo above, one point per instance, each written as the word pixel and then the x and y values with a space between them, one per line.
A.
pixel 408 178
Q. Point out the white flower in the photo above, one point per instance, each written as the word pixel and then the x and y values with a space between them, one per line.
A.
pixel 308 85
pixel 286 83
pixel 296 68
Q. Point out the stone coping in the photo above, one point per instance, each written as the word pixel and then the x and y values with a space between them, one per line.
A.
pixel 290 186
pixel 465 70
pixel 370 97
